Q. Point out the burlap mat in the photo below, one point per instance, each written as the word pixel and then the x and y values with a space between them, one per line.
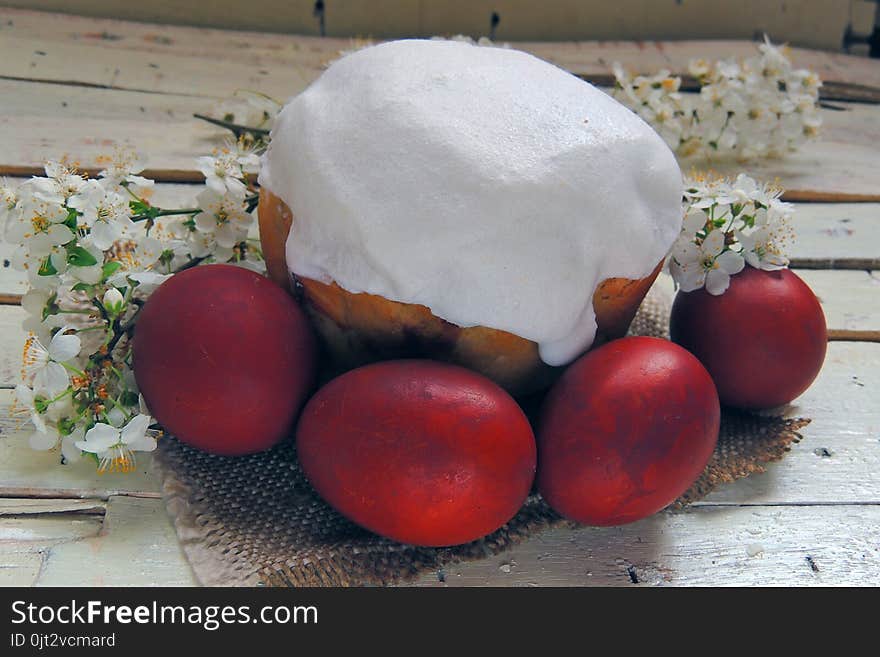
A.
pixel 255 520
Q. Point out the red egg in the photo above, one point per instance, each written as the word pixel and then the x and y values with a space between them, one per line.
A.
pixel 625 431
pixel 418 451
pixel 224 358
pixel 763 340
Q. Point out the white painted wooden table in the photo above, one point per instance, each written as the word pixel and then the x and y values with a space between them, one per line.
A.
pixel 77 86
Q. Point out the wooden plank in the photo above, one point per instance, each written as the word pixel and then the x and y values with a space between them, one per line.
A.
pixel 29 507
pixel 847 77
pixel 839 456
pixel 29 533
pixel 41 121
pixel 19 568
pixel 839 167
pixel 48 60
pixel 137 547
pixel 12 338
pixel 260 60
pixel 28 473
pixel 850 299
pixel 834 235
pixel 705 546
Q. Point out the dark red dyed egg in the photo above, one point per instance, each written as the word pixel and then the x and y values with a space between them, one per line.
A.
pixel 224 358
pixel 763 340
pixel 625 431
pixel 418 451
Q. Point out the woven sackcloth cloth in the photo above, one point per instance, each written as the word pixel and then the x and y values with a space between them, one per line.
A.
pixel 254 520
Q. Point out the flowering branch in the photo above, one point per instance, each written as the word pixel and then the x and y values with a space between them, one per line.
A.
pixel 93 250
pixel 760 106
pixel 728 225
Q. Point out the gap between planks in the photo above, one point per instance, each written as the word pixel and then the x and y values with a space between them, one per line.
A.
pixel 866 264
pixel 74 494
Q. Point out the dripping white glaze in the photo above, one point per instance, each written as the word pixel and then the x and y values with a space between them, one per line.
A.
pixel 488 185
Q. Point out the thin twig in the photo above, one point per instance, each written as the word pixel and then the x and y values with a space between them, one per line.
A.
pixel 237 129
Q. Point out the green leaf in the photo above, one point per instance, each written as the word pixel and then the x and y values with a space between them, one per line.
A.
pixel 51 307
pixel 83 287
pixel 66 426
pixel 138 206
pixel 128 398
pixel 41 404
pixel 47 268
pixel 166 256
pixel 79 257
pixel 109 269
pixel 72 217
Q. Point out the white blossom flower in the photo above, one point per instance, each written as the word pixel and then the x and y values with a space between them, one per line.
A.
pixel 46 436
pixel 115 447
pixel 89 274
pixel 43 367
pixel 49 439
pixel 25 403
pixel 61 183
pixel 760 251
pixel 706 264
pixel 148 281
pixel 106 213
pixel 247 156
pixel 69 450
pixel 755 107
pixel 44 439
pixel 38 226
pixel 223 173
pixel 34 302
pixel 204 245
pixel 122 167
pixel 9 202
pixel 224 216
pixel 699 68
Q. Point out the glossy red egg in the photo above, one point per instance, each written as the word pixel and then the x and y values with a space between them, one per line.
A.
pixel 763 340
pixel 418 451
pixel 224 359
pixel 625 431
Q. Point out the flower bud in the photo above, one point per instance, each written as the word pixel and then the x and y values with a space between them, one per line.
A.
pixel 113 301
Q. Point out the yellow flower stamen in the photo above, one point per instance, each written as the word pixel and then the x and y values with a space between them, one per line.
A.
pixel 123 462
pixel 40 224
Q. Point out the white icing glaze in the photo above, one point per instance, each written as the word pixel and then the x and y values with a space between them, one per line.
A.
pixel 488 185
